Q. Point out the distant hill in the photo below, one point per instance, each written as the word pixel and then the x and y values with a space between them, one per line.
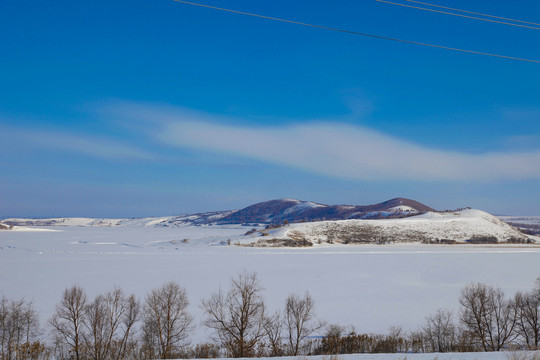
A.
pixel 268 212
pixel 291 222
pixel 292 210
pixel 4 226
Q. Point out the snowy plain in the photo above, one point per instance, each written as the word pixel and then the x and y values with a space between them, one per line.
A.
pixel 532 220
pixel 371 287
pixel 533 355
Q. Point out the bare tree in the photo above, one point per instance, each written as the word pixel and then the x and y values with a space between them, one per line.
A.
pixel 487 316
pixel 335 331
pixel 98 329
pixel 396 339
pixel 528 318
pixel 19 330
pixel 300 320
pixel 417 340
pixel 166 321
pixel 273 328
pixel 237 317
pixel 130 317
pixel 109 321
pixel 67 322
pixel 440 331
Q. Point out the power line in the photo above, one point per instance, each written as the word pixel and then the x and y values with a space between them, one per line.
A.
pixel 357 33
pixel 460 15
pixel 472 12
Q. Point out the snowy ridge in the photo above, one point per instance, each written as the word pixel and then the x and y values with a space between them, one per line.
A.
pixel 461 226
pixel 167 221
pixel 301 206
pixel 289 200
pixel 268 212
pixel 395 212
pixel 294 211
pixel 78 222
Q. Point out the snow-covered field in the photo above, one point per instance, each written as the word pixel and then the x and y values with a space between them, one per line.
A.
pixel 532 220
pixel 532 355
pixel 371 287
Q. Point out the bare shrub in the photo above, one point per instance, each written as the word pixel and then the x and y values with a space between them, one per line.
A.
pixel 440 331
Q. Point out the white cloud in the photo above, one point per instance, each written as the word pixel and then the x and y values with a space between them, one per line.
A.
pixel 333 149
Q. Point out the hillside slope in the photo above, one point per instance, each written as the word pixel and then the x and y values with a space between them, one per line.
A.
pixel 473 226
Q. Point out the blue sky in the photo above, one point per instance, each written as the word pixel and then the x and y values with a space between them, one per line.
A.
pixel 146 108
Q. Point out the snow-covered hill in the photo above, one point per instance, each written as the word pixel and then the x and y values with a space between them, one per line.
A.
pixel 473 226
pixel 268 212
pixel 292 211
pixel 396 220
pixel 4 226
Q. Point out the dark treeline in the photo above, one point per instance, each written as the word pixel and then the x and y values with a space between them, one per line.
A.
pixel 116 326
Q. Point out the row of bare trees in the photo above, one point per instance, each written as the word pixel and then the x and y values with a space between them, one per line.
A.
pixel 117 326
pixel 243 327
pixel 495 322
pixel 19 331
pixel 487 321
pixel 99 329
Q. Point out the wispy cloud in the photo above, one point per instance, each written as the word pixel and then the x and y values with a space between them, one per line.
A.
pixel 333 149
pixel 19 139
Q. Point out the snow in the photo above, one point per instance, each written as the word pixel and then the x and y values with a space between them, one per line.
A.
pixel 219 216
pixel 396 210
pixel 289 200
pixel 30 229
pixel 532 220
pixel 67 222
pixel 458 226
pixel 403 208
pixel 301 206
pixel 371 287
pixel 174 221
pixel 99 222
pixel 434 356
